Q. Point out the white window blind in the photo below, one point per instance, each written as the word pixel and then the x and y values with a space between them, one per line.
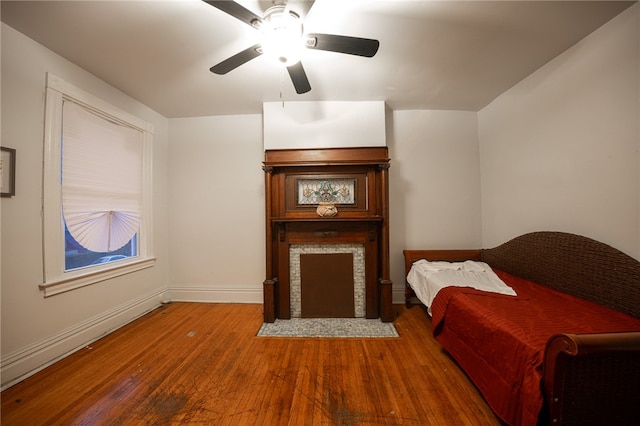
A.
pixel 101 179
pixel 100 197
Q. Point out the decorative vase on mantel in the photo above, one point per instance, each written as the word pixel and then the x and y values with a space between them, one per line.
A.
pixel 326 209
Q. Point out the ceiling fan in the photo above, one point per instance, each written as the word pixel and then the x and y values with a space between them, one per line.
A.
pixel 283 38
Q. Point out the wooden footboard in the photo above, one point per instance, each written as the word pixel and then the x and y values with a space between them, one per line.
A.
pixel 593 379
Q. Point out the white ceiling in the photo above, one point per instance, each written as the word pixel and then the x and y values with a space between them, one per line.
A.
pixel 456 55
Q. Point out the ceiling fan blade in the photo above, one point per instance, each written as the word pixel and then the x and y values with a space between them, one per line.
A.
pixel 236 60
pixel 301 7
pixel 236 10
pixel 343 44
pixel 299 78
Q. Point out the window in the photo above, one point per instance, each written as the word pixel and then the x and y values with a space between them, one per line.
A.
pixel 97 186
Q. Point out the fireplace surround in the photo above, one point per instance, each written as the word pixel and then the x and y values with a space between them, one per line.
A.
pixel 354 254
pixel 352 185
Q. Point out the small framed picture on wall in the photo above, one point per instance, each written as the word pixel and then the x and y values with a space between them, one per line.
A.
pixel 7 172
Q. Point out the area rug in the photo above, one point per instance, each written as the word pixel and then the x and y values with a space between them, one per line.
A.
pixel 328 327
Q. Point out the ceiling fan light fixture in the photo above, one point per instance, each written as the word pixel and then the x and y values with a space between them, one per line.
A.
pixel 282 35
pixel 283 41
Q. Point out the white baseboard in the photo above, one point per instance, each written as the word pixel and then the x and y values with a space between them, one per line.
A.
pixel 19 365
pixel 213 294
pixel 398 296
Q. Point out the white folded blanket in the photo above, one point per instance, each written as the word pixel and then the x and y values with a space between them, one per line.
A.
pixel 428 278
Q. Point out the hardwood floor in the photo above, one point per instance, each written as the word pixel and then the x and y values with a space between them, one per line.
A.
pixel 191 363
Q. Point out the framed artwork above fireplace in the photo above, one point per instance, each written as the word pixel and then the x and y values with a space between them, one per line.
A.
pixel 336 190
pixel 347 191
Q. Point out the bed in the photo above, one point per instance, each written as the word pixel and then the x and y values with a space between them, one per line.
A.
pixel 564 348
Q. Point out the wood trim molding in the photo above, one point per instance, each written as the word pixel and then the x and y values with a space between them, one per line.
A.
pixel 25 362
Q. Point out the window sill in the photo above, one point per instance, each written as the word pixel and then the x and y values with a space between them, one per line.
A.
pixel 84 279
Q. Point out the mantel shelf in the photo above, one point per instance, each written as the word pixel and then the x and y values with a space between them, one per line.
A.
pixel 327 219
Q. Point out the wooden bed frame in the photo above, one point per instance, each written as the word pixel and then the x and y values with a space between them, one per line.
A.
pixel 587 378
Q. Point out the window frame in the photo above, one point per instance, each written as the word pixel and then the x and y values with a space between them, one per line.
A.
pixel 55 279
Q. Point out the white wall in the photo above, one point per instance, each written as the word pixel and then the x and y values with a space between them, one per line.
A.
pixel 328 124
pixel 217 198
pixel 217 209
pixel 434 184
pixel 560 150
pixel 36 330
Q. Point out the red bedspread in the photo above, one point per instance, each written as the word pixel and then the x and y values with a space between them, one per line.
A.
pixel 499 340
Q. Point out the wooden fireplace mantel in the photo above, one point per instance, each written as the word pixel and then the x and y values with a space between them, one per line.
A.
pixel 362 218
